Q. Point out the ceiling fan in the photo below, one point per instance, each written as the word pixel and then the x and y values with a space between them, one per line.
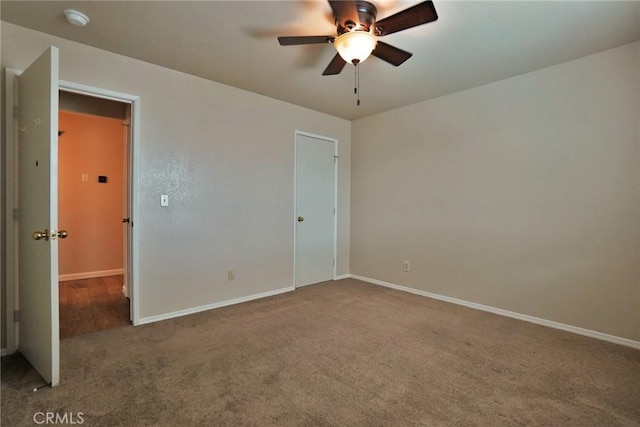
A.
pixel 358 32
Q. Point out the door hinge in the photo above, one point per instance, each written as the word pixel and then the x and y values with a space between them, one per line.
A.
pixel 16 112
pixel 334 211
pixel 16 315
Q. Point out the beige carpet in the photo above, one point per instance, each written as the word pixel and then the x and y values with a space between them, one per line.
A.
pixel 341 353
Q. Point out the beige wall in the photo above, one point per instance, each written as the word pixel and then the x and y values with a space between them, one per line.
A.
pixel 90 211
pixel 521 195
pixel 225 158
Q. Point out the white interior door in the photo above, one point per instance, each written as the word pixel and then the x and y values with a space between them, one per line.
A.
pixel 39 338
pixel 315 210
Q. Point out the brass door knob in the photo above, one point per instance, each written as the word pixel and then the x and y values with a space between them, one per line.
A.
pixel 300 218
pixel 40 235
pixel 63 234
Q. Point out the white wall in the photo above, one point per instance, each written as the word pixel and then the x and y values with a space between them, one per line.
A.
pixel 225 158
pixel 521 195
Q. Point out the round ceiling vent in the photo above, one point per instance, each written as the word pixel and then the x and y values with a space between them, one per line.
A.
pixel 76 18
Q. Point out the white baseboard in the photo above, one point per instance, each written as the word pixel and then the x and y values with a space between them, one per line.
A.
pixel 179 313
pixel 90 275
pixel 125 292
pixel 342 276
pixel 544 322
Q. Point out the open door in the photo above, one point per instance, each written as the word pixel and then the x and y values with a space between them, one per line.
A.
pixel 38 215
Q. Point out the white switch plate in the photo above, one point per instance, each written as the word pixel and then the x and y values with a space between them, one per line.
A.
pixel 164 200
pixel 406 266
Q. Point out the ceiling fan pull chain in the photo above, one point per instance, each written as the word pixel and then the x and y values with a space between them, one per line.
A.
pixel 356 89
pixel 355 80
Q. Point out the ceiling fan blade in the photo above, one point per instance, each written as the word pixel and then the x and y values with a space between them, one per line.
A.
pixel 297 40
pixel 417 15
pixel 335 66
pixel 391 54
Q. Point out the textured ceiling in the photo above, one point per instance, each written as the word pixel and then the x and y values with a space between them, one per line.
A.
pixel 234 42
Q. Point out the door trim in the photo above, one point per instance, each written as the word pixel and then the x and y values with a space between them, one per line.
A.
pixel 335 197
pixel 9 170
pixel 11 193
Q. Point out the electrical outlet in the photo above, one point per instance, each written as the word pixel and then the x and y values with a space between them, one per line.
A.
pixel 406 266
pixel 231 275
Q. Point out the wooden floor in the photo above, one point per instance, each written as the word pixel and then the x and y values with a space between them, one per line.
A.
pixel 91 305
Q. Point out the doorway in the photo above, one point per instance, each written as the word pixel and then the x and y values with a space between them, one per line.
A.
pixel 93 184
pixel 315 209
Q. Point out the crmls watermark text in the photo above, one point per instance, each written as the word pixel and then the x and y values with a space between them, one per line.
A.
pixel 56 418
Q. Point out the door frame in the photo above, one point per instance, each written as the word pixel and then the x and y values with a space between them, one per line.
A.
pixel 335 196
pixel 10 177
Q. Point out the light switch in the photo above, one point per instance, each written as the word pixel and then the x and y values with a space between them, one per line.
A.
pixel 164 200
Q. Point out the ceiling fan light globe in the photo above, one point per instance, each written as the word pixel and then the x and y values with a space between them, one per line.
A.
pixel 355 46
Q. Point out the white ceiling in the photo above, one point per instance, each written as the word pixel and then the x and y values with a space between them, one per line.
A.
pixel 234 42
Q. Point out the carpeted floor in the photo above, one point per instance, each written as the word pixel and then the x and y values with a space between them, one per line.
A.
pixel 343 353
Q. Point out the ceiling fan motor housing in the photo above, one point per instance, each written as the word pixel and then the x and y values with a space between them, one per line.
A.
pixel 362 20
